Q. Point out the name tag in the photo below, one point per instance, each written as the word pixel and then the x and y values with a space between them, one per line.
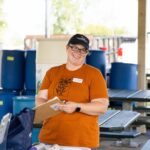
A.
pixel 77 80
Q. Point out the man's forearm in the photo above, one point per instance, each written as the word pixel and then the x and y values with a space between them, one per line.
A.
pixel 40 101
pixel 94 108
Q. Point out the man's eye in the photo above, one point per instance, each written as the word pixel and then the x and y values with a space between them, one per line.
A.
pixel 76 48
pixel 83 50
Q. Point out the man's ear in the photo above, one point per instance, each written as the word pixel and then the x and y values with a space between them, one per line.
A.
pixel 67 46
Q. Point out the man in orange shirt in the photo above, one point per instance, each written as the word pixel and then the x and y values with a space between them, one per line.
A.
pixel 84 90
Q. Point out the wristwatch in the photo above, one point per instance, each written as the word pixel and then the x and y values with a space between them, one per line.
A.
pixel 78 108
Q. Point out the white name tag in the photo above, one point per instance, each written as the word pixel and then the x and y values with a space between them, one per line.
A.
pixel 77 80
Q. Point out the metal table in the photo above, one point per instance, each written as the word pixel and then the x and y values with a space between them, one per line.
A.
pixel 114 124
pixel 116 120
pixel 128 96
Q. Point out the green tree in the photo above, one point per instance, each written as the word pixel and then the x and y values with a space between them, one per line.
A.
pixel 68 15
pixel 2 21
pixel 102 30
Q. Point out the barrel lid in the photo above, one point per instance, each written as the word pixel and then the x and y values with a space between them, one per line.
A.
pixel 29 98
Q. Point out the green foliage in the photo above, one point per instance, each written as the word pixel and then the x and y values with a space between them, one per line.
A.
pixel 2 24
pixel 68 15
pixel 120 31
pixel 2 21
pixel 103 30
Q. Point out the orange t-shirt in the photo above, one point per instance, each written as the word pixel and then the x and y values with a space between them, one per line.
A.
pixel 82 85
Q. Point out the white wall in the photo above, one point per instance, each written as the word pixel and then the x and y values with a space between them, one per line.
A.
pixel 50 52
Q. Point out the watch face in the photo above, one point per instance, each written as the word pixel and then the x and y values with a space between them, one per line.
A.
pixel 78 109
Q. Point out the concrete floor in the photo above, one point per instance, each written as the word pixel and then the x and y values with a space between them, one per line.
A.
pixel 107 144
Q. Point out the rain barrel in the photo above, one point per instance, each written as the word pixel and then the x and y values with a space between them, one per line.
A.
pixel 30 69
pixel 6 101
pixel 29 92
pixel 20 102
pixel 13 62
pixel 96 58
pixel 123 76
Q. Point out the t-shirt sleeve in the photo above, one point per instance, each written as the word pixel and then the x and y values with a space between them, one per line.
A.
pixel 46 81
pixel 98 87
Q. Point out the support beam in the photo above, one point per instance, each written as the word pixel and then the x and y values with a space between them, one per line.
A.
pixel 142 44
pixel 142 51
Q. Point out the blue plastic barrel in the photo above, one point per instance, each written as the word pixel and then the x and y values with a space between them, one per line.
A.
pixel 96 58
pixel 30 69
pixel 29 92
pixel 20 102
pixel 123 76
pixel 6 101
pixel 13 62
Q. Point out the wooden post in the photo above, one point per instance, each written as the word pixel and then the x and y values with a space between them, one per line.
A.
pixel 142 51
pixel 141 44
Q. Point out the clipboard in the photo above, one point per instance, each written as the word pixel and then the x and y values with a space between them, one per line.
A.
pixel 47 110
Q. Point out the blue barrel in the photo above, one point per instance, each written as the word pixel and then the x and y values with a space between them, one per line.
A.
pixel 30 69
pixel 20 102
pixel 97 59
pixel 29 92
pixel 6 101
pixel 123 76
pixel 13 62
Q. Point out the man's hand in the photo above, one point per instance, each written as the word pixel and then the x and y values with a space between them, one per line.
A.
pixel 68 107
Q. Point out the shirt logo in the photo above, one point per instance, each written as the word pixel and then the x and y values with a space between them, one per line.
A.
pixel 62 86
